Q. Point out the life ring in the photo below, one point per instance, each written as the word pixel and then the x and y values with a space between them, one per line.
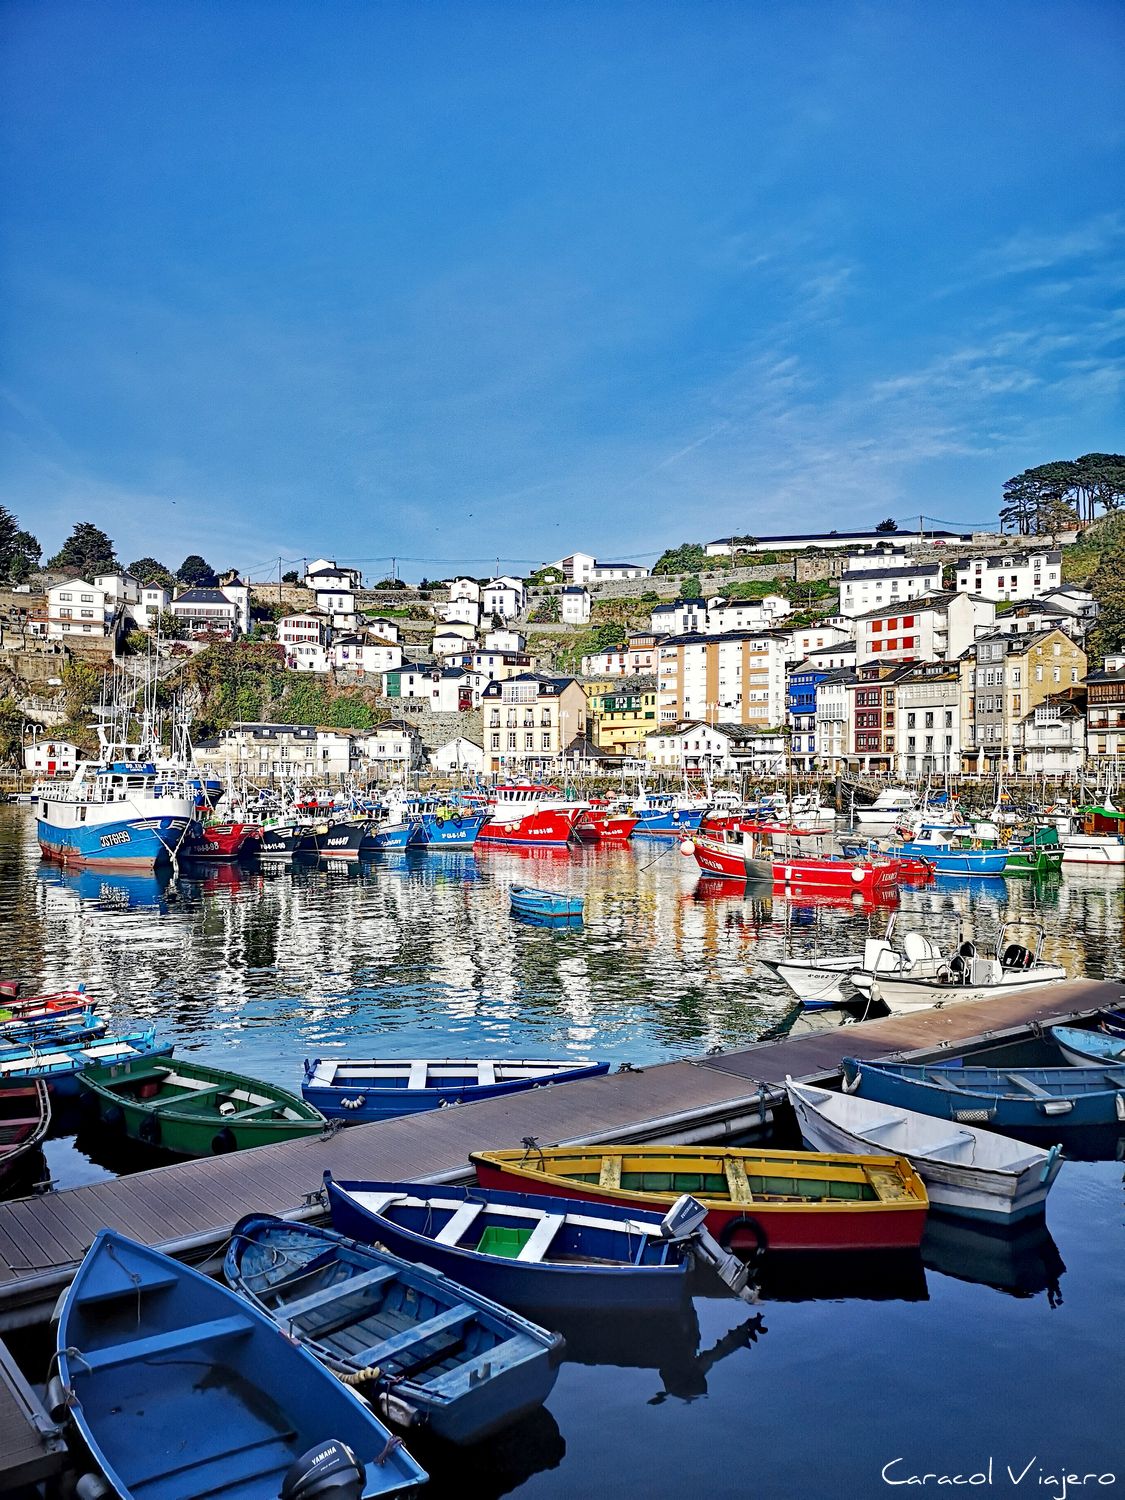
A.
pixel 743 1225
pixel 439 817
pixel 223 1142
pixel 148 1131
pixel 675 817
pixel 456 820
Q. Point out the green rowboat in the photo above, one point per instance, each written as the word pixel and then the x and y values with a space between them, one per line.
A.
pixel 192 1110
pixel 1038 854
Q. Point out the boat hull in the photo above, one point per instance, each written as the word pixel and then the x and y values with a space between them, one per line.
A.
pixel 672 823
pixel 360 1102
pixel 127 1099
pixel 610 1281
pixel 923 994
pixel 455 830
pixel 816 982
pixel 115 843
pixel 962 1095
pixel 545 826
pixel 1091 849
pixel 341 840
pixel 992 1195
pixel 831 1224
pixel 219 843
pixel 381 838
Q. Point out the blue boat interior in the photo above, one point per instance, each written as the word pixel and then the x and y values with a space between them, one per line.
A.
pixel 364 1309
pixel 519 1227
pixel 183 1389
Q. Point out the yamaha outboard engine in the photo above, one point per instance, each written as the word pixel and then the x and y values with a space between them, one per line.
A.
pixel 330 1471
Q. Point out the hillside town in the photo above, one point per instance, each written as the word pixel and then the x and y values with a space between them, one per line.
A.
pixel 929 654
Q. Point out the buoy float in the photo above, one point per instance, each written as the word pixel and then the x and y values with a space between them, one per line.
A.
pixel 687 846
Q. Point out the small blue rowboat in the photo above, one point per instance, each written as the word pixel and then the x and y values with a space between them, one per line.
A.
pixel 360 1089
pixel 51 1031
pixel 1007 1098
pixel 528 901
pixel 545 1255
pixel 1085 1047
pixel 417 1345
pixel 59 1065
pixel 525 1251
pixel 1113 1022
pixel 179 1387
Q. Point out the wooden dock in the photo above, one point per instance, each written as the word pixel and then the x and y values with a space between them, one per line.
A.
pixel 190 1206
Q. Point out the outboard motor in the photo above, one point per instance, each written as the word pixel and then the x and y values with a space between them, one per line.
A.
pixel 685 1220
pixel 330 1471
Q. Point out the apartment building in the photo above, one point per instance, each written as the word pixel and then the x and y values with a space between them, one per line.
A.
pixel 1105 716
pixel 834 709
pixel 873 718
pixel 928 719
pixel 280 752
pixel 1012 575
pixel 622 713
pixel 530 720
pixel 875 588
pixel 636 658
pixel 1003 679
pixel 934 627
pixel 737 678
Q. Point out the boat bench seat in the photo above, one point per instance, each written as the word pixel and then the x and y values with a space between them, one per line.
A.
pixel 257 1111
pixel 241 1465
pixel 459 1221
pixel 883 1125
pixel 937 1077
pixel 446 1326
pixel 491 1362
pixel 1031 1088
pixel 539 1241
pixel 186 1097
pixel 375 1277
pixel 610 1174
pixel 951 1143
pixel 235 1326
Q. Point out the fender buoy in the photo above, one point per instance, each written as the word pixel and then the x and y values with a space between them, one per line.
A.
pixel 439 818
pixel 687 846
pixel 148 1131
pixel 223 1142
pixel 857 876
pixel 743 1225
pixel 456 820
pixel 114 1117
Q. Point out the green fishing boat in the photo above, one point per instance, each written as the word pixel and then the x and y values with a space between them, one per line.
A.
pixel 1036 853
pixel 190 1109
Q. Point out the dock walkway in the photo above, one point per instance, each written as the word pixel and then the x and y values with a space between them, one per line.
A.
pixel 191 1205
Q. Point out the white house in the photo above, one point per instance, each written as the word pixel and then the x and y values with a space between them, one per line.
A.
pixel 410 679
pixel 121 589
pixel 454 690
pixel 454 640
pixel 78 608
pixel 1010 575
pixel 237 591
pixel 302 630
pixel 679 617
pixel 460 611
pixel 930 628
pixel 504 597
pixel 829 658
pixel 499 666
pixel 875 587
pixel 325 574
pixel 878 559
pixel 582 568
pixel 153 600
pixel 725 615
pixel 382 628
pixel 51 758
pixel 360 653
pixel 803 640
pixel 504 640
pixel 575 604
pixel 394 748
pixel 636 658
pixel 308 656
pixel 457 756
pixel 1053 735
pixel 207 611
pixel 696 748
pixel 465 588
pixel 339 605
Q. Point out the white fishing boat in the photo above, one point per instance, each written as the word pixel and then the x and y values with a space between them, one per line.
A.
pixel 891 807
pixel 966 1170
pixel 834 979
pixel 969 975
pixel 817 981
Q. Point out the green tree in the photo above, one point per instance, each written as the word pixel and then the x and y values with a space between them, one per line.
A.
pixel 170 627
pixel 86 551
pixel 196 573
pixel 890 524
pixel 1107 584
pixel 148 570
pixel 691 586
pixel 546 576
pixel 19 550
pixel 1053 496
pixel 291 577
pixel 11 731
pixel 687 557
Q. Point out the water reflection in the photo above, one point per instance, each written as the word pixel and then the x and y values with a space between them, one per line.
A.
pixel 1020 1259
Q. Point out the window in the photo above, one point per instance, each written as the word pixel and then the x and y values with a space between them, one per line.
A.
pixel 1016 702
pixel 511 742
pixel 496 742
pixel 1015 676
pixel 911 720
pixel 529 742
pixel 546 741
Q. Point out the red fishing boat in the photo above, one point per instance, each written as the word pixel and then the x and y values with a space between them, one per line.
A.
pixel 601 824
pixel 522 812
pixel 221 841
pixel 735 848
pixel 46 1007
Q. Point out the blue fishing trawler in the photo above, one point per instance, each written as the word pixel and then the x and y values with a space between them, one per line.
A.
pixel 120 813
pixel 660 815
pixel 448 823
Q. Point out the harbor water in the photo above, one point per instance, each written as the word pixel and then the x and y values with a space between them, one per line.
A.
pixel 991 1354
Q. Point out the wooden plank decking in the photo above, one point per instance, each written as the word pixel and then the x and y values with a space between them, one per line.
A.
pixel 43 1238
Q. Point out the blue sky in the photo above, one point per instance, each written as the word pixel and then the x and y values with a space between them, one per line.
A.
pixel 459 281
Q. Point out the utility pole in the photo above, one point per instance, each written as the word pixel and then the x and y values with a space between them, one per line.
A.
pixel 279 580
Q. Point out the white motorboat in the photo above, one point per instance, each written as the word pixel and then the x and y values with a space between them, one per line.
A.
pixel 966 1170
pixel 817 981
pixel 892 806
pixel 918 958
pixel 968 975
pixel 833 979
pixel 1099 840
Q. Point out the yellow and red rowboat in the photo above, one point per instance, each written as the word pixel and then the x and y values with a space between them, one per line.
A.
pixel 786 1200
